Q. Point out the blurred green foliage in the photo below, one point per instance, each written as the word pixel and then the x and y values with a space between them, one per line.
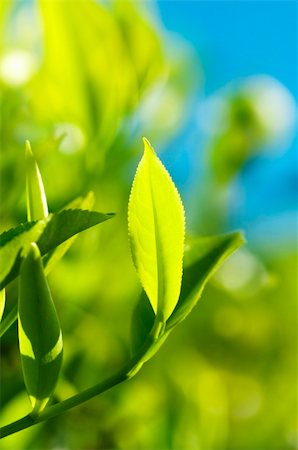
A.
pixel 83 81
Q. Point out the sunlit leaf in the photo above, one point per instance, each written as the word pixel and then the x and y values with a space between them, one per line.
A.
pixel 37 207
pixel 40 337
pixel 143 42
pixel 67 77
pixel 96 66
pixel 156 230
pixel 2 303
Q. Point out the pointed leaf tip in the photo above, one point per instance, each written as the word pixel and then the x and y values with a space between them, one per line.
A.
pixel 33 251
pixel 148 149
pixel 28 150
pixel 37 207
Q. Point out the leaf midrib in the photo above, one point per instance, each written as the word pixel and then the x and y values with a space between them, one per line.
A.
pixel 159 261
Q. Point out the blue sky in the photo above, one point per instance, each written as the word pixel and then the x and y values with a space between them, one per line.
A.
pixel 237 39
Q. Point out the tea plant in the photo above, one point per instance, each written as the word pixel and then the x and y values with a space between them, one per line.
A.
pixel 173 275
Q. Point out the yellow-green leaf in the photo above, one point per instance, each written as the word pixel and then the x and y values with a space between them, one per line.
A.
pixel 2 303
pixel 156 230
pixel 40 337
pixel 37 207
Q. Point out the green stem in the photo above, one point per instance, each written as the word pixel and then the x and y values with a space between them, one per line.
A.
pixel 125 374
pixel 18 425
pixel 9 320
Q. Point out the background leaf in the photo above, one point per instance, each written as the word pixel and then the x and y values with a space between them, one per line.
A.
pixel 203 257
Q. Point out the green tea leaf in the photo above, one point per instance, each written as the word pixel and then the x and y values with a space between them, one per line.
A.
pixel 49 233
pixel 2 303
pixel 12 243
pixel 40 337
pixel 203 256
pixel 65 224
pixel 12 233
pixel 54 256
pixel 156 230
pixel 37 207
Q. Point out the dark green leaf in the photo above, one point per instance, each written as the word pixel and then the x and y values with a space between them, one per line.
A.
pixel 40 336
pixel 11 244
pixel 54 256
pixel 56 229
pixel 10 234
pixel 142 322
pixel 65 224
